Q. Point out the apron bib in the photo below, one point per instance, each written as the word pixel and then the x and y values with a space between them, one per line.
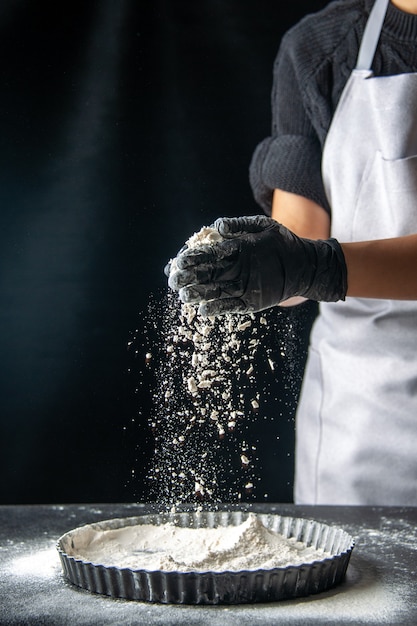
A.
pixel 356 438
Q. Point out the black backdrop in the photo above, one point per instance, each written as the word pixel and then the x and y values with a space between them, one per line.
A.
pixel 125 126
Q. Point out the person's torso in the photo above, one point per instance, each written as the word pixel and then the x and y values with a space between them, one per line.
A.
pixel 325 44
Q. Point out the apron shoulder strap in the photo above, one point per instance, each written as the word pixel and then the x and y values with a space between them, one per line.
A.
pixel 371 35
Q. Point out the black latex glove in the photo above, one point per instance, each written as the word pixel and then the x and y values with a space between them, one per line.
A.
pixel 258 264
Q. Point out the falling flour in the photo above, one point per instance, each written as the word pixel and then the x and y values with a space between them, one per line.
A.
pixel 207 396
pixel 167 547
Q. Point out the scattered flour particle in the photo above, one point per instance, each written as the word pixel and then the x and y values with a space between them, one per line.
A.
pixel 204 384
pixel 192 385
pixel 198 488
pixel 244 325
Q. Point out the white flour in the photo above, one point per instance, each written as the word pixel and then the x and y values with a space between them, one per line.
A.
pixel 211 389
pixel 171 548
pixel 197 404
pixel 206 235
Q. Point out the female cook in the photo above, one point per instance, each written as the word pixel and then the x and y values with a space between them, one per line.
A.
pixel 340 172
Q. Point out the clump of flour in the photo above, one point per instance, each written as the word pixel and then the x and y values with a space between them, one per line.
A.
pixel 249 545
pixel 212 379
pixel 207 235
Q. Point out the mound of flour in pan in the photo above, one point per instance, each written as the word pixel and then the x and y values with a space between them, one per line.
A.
pixel 167 547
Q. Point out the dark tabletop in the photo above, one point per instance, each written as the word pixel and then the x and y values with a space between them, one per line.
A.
pixel 380 586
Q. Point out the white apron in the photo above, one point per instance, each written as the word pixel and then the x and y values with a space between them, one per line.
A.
pixel 356 438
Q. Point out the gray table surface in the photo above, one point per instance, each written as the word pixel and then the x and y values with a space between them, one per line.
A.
pixel 380 586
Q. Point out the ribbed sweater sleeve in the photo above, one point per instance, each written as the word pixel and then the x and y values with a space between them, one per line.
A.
pixel 290 158
pixel 312 67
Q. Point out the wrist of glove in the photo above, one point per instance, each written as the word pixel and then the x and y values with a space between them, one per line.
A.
pixel 257 264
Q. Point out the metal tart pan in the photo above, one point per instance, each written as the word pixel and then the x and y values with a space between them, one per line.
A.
pixel 213 587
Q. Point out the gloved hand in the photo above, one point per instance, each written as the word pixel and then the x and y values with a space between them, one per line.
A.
pixel 258 264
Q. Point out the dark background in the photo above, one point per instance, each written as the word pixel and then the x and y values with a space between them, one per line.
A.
pixel 125 125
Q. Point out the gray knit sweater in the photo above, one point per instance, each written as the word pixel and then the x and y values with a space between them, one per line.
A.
pixel 313 64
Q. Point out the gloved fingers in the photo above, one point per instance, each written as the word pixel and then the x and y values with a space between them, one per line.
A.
pixel 172 262
pixel 217 255
pixel 199 293
pixel 224 271
pixel 236 226
pixel 213 308
pixel 212 291
pixel 195 256
pixel 198 274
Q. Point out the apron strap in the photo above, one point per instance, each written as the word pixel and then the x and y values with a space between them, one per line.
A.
pixel 371 35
